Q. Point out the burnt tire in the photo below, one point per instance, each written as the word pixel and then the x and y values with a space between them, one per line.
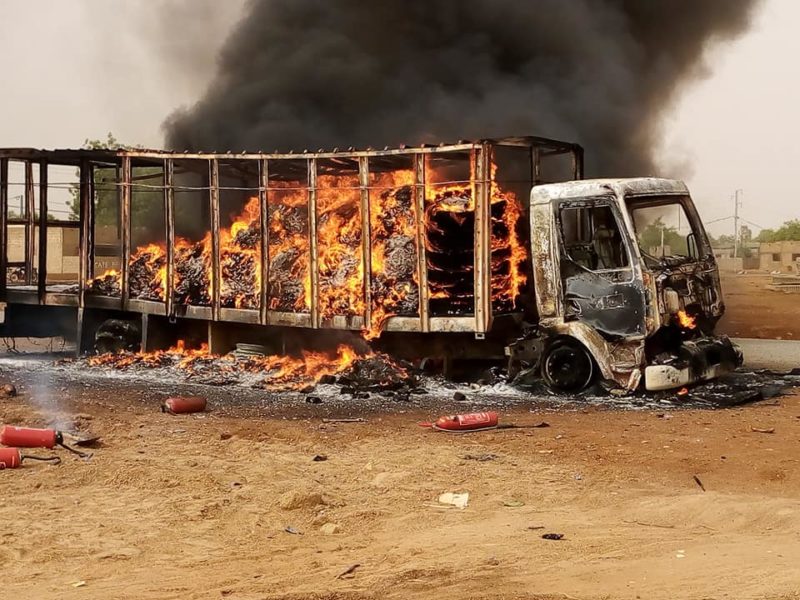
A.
pixel 117 335
pixel 567 366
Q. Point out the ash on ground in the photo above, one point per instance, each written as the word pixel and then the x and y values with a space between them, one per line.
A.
pixel 377 381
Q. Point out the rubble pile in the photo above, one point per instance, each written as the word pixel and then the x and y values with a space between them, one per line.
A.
pixel 344 366
pixel 107 284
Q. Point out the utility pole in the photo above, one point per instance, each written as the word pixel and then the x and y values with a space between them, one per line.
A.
pixel 737 203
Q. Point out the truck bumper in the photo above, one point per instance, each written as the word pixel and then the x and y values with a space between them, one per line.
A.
pixel 699 360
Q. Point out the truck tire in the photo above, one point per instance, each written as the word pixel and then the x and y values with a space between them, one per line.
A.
pixel 567 366
pixel 117 335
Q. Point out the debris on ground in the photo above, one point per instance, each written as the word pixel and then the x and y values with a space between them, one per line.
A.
pixel 348 571
pixel 292 530
pixel 760 430
pixel 698 482
pixel 8 390
pixel 513 503
pixel 319 458
pixel 459 500
pixel 552 536
pixel 481 457
pixel 330 528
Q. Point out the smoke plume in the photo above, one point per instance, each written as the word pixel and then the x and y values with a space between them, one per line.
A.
pixel 313 74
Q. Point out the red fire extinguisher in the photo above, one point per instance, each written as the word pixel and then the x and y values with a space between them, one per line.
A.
pixel 183 404
pixel 28 437
pixel 11 458
pixel 468 422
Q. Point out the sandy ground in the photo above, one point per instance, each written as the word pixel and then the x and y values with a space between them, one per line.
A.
pixel 197 506
pixel 753 311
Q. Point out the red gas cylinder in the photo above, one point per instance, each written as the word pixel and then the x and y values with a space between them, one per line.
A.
pixel 183 404
pixel 9 458
pixel 26 437
pixel 468 422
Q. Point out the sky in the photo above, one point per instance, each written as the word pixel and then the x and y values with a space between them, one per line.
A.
pixel 77 70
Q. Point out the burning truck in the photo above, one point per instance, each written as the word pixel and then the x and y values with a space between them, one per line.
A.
pixel 489 249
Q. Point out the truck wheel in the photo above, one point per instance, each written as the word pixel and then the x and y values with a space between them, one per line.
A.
pixel 117 335
pixel 567 366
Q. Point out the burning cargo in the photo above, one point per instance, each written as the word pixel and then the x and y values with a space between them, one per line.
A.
pixel 468 250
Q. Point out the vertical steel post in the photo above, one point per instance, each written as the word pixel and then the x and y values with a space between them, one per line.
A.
pixel 169 221
pixel 3 227
pixel 536 164
pixel 312 218
pixel 263 201
pixel 41 286
pixel 480 173
pixel 366 238
pixel 30 223
pixel 422 265
pixel 577 161
pixel 125 225
pixel 216 270
pixel 86 235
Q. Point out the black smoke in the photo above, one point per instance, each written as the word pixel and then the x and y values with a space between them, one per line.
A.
pixel 315 74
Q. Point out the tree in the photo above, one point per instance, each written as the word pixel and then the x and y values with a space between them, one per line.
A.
pixel 651 237
pixel 146 202
pixel 789 231
pixel 722 241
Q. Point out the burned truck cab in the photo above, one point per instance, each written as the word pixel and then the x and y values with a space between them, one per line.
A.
pixel 627 285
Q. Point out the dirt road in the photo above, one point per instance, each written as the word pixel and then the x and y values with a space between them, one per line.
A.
pixel 198 506
pixel 753 311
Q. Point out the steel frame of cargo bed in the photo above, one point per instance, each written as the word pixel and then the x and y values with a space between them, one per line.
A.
pixel 38 292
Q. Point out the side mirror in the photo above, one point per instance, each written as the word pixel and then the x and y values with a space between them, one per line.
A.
pixel 691 245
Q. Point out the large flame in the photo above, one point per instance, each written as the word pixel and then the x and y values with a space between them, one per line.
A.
pixel 289 249
pixel 340 262
pixel 393 253
pixel 448 207
pixel 289 371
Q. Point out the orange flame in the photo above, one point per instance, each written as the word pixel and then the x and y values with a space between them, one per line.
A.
pixel 289 249
pixel 279 370
pixel 393 246
pixel 339 253
pixel 685 320
pixel 340 260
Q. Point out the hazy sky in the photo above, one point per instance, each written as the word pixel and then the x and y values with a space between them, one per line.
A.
pixel 76 70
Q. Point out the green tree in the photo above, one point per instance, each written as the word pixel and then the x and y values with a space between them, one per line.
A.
pixel 146 201
pixel 650 237
pixel 789 231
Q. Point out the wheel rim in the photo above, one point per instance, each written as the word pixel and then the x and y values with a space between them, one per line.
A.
pixel 568 367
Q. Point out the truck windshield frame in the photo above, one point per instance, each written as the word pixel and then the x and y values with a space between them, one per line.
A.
pixel 655 225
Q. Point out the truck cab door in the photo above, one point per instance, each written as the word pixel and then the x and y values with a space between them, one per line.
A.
pixel 598 279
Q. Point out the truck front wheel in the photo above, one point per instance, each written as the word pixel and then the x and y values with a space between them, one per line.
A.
pixel 567 366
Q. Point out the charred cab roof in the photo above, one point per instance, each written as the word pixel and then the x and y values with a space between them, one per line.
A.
pixel 636 186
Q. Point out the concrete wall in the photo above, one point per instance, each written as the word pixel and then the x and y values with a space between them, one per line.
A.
pixel 779 256
pixel 63 246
